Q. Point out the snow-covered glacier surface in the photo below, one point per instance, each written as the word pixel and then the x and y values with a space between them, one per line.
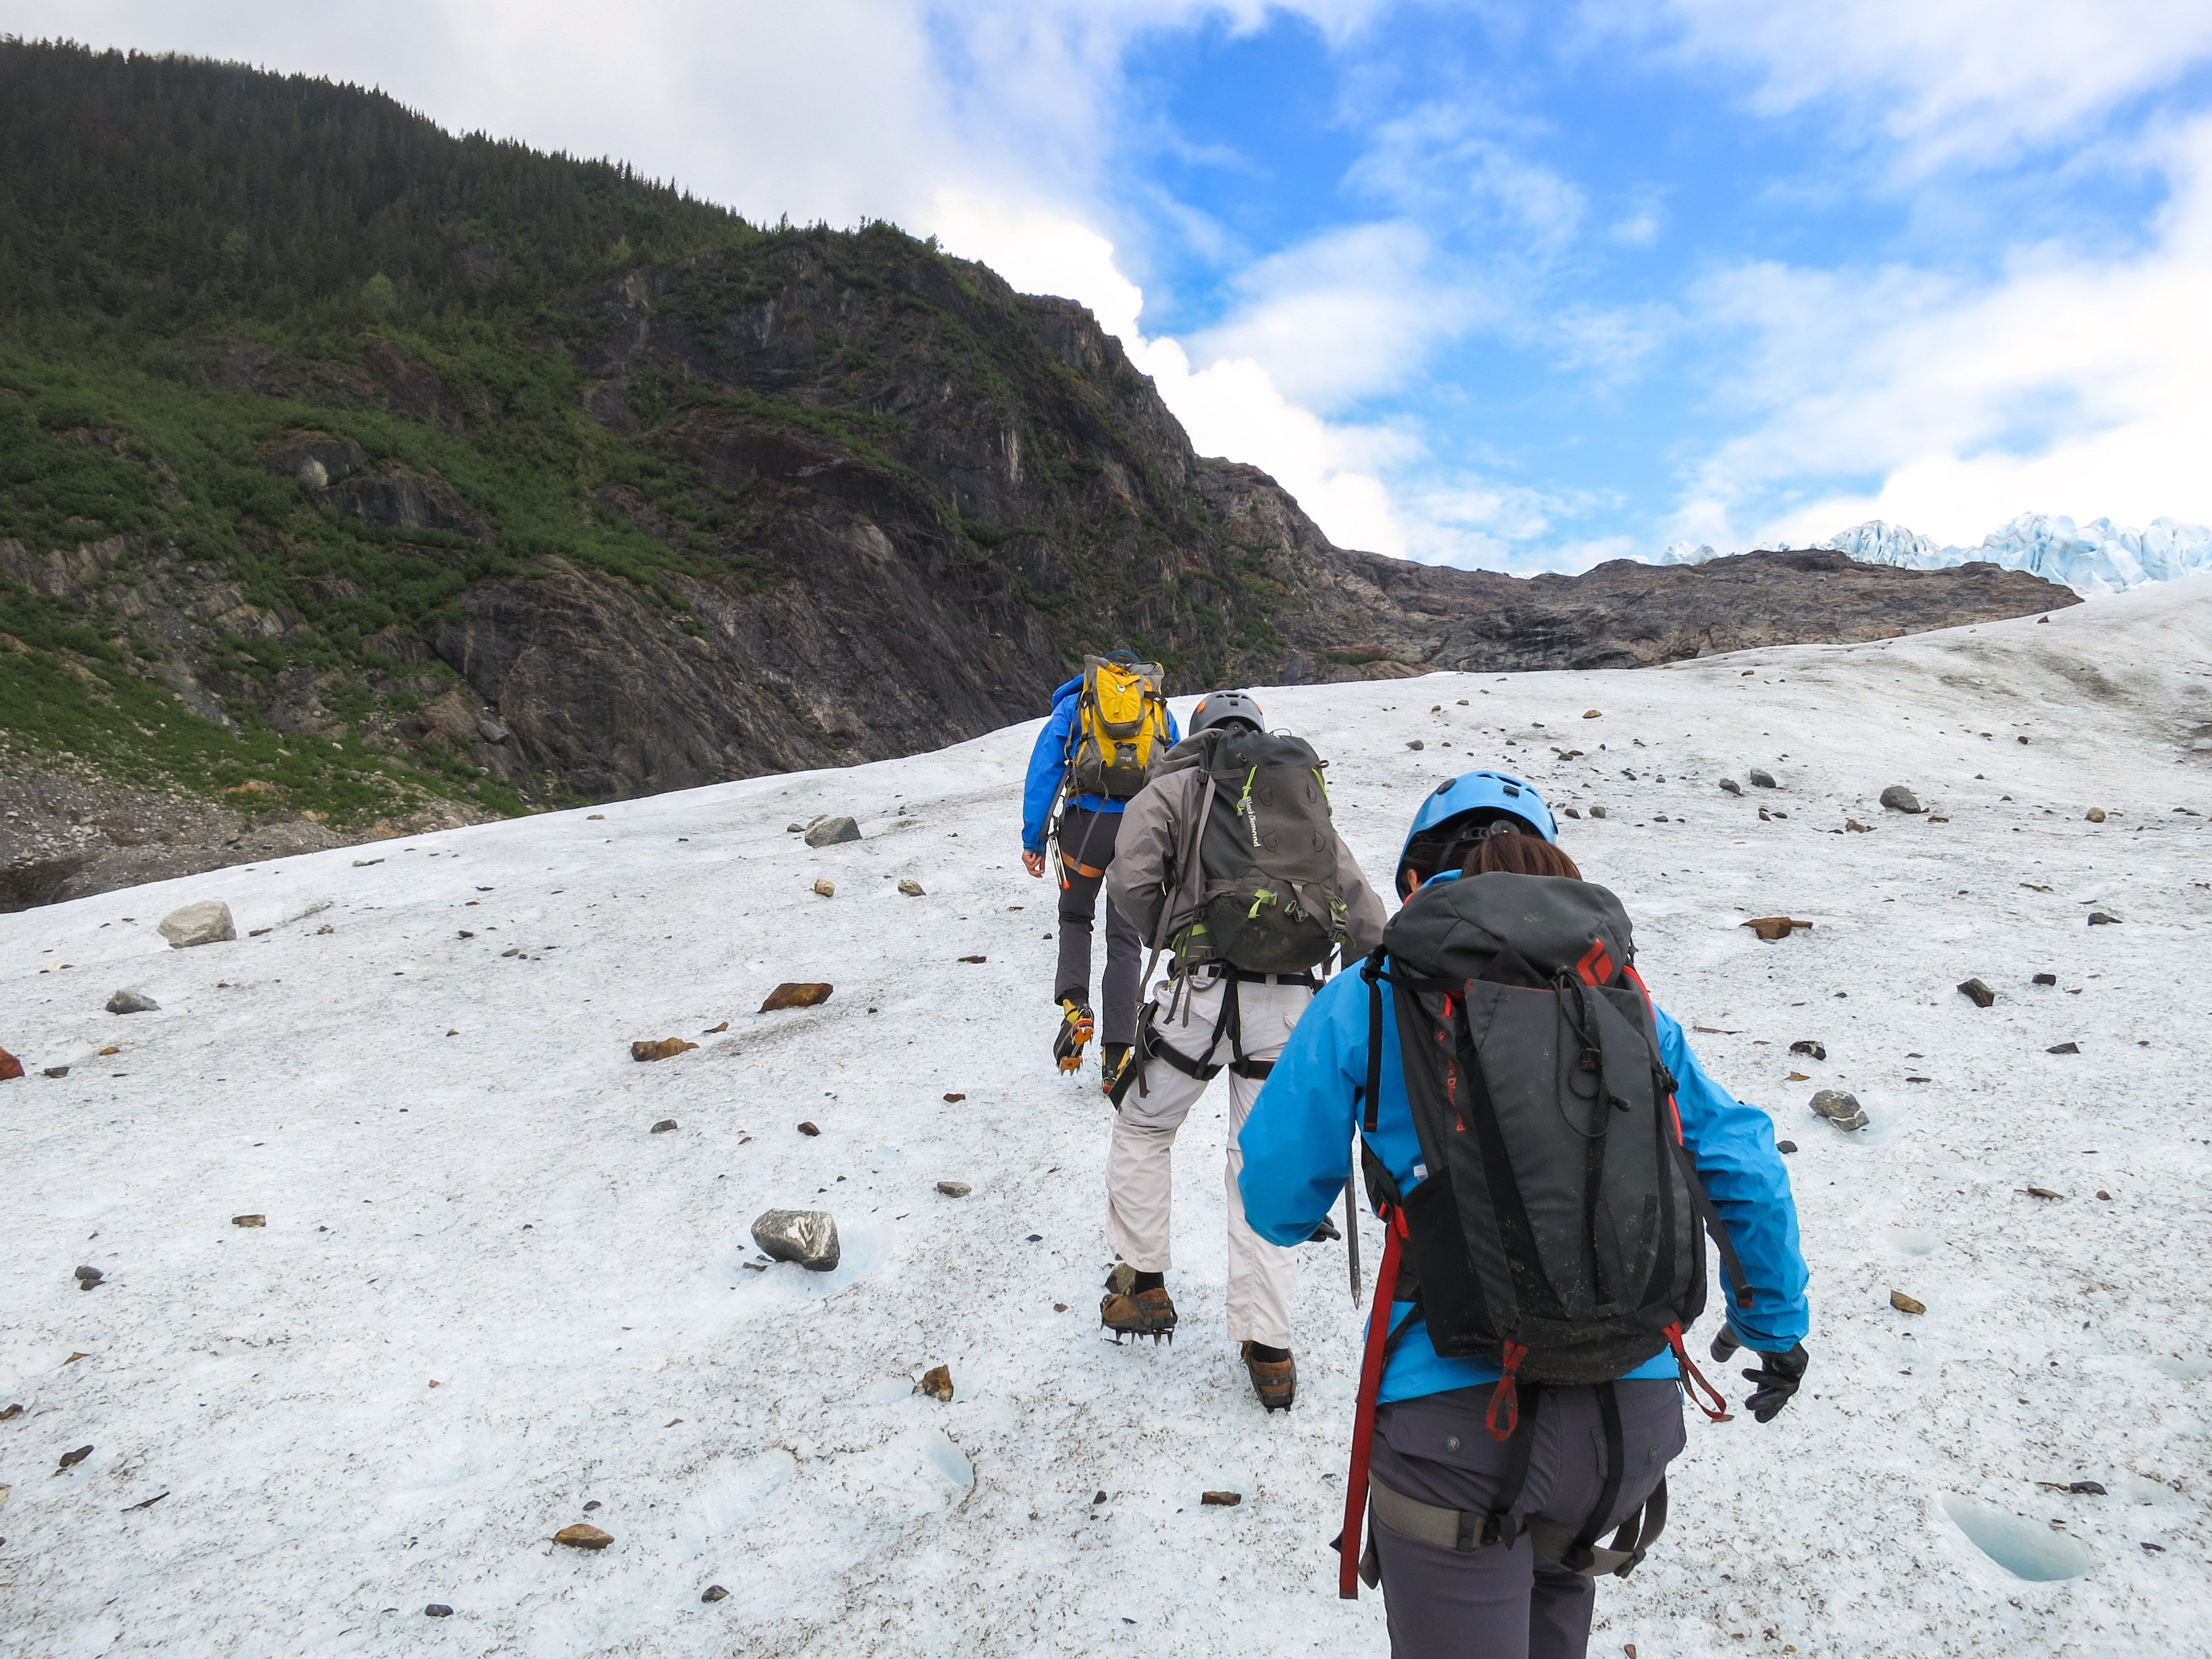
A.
pixel 437 1119
pixel 2098 558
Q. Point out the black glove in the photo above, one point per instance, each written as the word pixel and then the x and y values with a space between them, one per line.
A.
pixel 1776 1377
pixel 1325 1233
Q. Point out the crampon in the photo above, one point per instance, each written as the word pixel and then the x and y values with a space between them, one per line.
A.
pixel 1126 1311
pixel 1076 1026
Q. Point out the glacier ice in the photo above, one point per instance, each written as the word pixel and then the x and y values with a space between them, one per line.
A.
pixel 2098 558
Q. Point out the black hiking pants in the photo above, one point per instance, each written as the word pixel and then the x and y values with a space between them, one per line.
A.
pixel 1086 842
pixel 1494 1602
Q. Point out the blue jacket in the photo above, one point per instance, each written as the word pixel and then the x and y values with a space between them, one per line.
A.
pixel 1049 765
pixel 1297 1156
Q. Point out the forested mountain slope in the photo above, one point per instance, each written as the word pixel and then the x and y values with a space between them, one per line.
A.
pixel 356 477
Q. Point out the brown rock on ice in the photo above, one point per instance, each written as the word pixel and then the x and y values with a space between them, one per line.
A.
pixel 249 1221
pixel 584 1536
pixel 1978 993
pixel 937 1383
pixel 1771 928
pixel 911 888
pixel 1224 1500
pixel 1905 1305
pixel 664 1048
pixel 826 887
pixel 10 1066
pixel 796 994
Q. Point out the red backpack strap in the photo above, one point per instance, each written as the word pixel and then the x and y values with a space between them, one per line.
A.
pixel 1351 1543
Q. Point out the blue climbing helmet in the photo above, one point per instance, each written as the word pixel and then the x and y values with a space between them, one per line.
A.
pixel 1460 810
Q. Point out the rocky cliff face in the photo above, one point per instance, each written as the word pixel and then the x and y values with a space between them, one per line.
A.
pixel 841 498
pixel 1010 493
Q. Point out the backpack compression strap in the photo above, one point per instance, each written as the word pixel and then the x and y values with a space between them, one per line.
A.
pixel 1731 1264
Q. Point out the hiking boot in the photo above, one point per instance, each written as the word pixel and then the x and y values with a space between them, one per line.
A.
pixel 1076 1025
pixel 1275 1381
pixel 1126 1311
pixel 1114 1056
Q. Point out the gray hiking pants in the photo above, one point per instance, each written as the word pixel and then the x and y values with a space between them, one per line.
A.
pixel 1494 1602
pixel 1086 841
pixel 1263 1278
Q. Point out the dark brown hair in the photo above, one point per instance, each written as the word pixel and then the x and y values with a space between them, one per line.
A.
pixel 1519 855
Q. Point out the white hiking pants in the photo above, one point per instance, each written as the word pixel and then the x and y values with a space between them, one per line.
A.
pixel 1262 1277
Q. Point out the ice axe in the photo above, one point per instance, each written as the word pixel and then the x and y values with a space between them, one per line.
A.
pixel 1351 1238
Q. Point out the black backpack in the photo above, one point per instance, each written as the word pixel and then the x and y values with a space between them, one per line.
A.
pixel 1270 899
pixel 1559 1228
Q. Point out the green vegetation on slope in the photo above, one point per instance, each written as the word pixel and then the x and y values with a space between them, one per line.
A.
pixel 157 191
pixel 206 272
pixel 162 217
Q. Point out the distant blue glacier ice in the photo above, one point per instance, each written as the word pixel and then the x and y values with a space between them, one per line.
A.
pixel 2097 557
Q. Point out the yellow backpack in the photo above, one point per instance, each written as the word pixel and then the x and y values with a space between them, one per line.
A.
pixel 1121 728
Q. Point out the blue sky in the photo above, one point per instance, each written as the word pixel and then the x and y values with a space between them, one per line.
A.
pixel 1519 285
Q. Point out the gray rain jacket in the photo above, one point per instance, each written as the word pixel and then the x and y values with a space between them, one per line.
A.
pixel 1159 824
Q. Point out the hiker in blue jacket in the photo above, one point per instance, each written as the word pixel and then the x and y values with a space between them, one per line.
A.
pixel 1086 829
pixel 1452 1581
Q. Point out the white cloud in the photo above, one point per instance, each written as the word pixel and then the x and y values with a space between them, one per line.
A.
pixel 2073 383
pixel 1451 161
pixel 1341 317
pixel 1637 229
pixel 1950 79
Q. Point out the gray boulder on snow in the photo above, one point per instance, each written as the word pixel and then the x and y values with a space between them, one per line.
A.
pixel 132 1002
pixel 1898 799
pixel 807 1237
pixel 1761 778
pixel 830 832
pixel 207 922
pixel 1841 1109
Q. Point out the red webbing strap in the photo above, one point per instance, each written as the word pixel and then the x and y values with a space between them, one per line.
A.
pixel 1693 1380
pixel 1505 1398
pixel 1351 1542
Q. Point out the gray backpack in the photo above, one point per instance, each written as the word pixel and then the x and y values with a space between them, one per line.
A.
pixel 1270 901
pixel 1559 1230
